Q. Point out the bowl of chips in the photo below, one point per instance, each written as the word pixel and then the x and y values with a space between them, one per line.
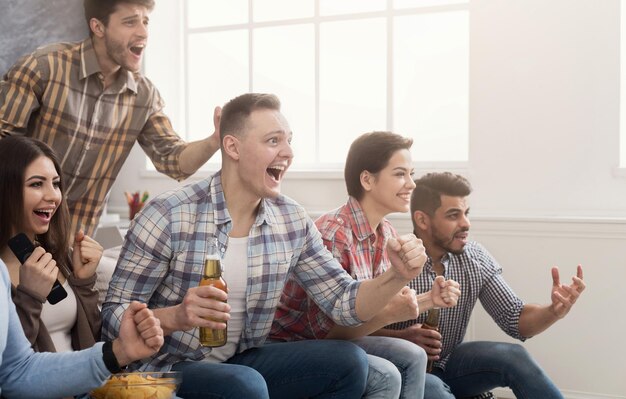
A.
pixel 140 385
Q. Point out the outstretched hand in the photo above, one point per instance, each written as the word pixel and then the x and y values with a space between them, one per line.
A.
pixel 407 255
pixel 565 296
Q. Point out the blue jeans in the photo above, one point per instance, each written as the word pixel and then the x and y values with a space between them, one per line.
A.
pixel 303 369
pixel 383 379
pixel 477 367
pixel 408 361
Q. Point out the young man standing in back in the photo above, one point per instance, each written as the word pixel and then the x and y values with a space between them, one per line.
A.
pixel 90 103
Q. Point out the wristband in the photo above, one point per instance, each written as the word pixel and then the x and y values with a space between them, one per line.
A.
pixel 110 361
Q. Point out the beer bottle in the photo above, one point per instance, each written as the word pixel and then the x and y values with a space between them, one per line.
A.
pixel 431 323
pixel 213 276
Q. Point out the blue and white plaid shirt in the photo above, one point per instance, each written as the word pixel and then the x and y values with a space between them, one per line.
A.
pixel 163 256
pixel 480 277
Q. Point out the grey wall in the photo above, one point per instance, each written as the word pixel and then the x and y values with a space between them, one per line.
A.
pixel 28 24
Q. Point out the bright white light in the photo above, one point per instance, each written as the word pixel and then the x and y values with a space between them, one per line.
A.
pixel 284 64
pixel 431 79
pixel 353 77
pixel 276 10
pixel 331 74
pixel 334 7
pixel 203 13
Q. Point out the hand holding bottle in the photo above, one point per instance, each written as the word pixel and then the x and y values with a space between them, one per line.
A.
pixel 428 339
pixel 212 277
pixel 202 307
pixel 431 323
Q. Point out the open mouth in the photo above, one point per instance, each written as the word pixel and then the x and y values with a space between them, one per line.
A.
pixel 462 236
pixel 45 214
pixel 138 49
pixel 275 172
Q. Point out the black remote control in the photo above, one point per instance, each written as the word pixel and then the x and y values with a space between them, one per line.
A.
pixel 22 248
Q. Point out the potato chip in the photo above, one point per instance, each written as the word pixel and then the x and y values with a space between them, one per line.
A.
pixel 138 386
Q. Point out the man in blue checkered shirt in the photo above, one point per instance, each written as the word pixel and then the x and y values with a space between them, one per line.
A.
pixel 440 211
pixel 263 237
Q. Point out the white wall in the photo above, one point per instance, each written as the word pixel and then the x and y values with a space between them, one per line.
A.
pixel 544 101
pixel 544 125
pixel 583 353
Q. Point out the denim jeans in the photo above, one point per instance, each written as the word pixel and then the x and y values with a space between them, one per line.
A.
pixel 408 360
pixel 383 379
pixel 477 367
pixel 302 369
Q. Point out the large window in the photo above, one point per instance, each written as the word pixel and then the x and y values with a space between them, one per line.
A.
pixel 340 68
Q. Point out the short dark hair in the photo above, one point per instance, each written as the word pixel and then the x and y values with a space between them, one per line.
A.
pixel 371 152
pixel 102 9
pixel 235 113
pixel 429 188
pixel 16 154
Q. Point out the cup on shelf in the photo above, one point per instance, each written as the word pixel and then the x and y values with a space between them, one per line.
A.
pixel 135 202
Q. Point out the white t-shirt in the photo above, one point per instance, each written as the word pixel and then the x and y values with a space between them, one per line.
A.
pixel 59 320
pixel 235 273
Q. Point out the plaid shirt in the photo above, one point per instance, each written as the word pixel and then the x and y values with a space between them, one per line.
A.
pixel 480 277
pixel 56 95
pixel 347 233
pixel 164 251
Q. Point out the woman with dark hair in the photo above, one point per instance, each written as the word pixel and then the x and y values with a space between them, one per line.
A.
pixel 379 180
pixel 31 202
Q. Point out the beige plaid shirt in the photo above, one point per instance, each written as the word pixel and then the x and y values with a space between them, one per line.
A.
pixel 56 95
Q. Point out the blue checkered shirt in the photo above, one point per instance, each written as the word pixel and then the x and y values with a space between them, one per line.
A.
pixel 163 256
pixel 480 277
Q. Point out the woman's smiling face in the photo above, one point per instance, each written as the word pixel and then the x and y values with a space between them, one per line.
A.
pixel 42 196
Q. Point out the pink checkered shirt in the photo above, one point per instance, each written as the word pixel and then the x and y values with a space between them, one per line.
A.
pixel 347 234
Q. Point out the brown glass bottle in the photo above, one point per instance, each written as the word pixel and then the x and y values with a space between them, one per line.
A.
pixel 431 323
pixel 213 276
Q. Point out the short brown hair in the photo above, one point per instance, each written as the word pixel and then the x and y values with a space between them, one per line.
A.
pixel 371 152
pixel 102 9
pixel 235 113
pixel 429 188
